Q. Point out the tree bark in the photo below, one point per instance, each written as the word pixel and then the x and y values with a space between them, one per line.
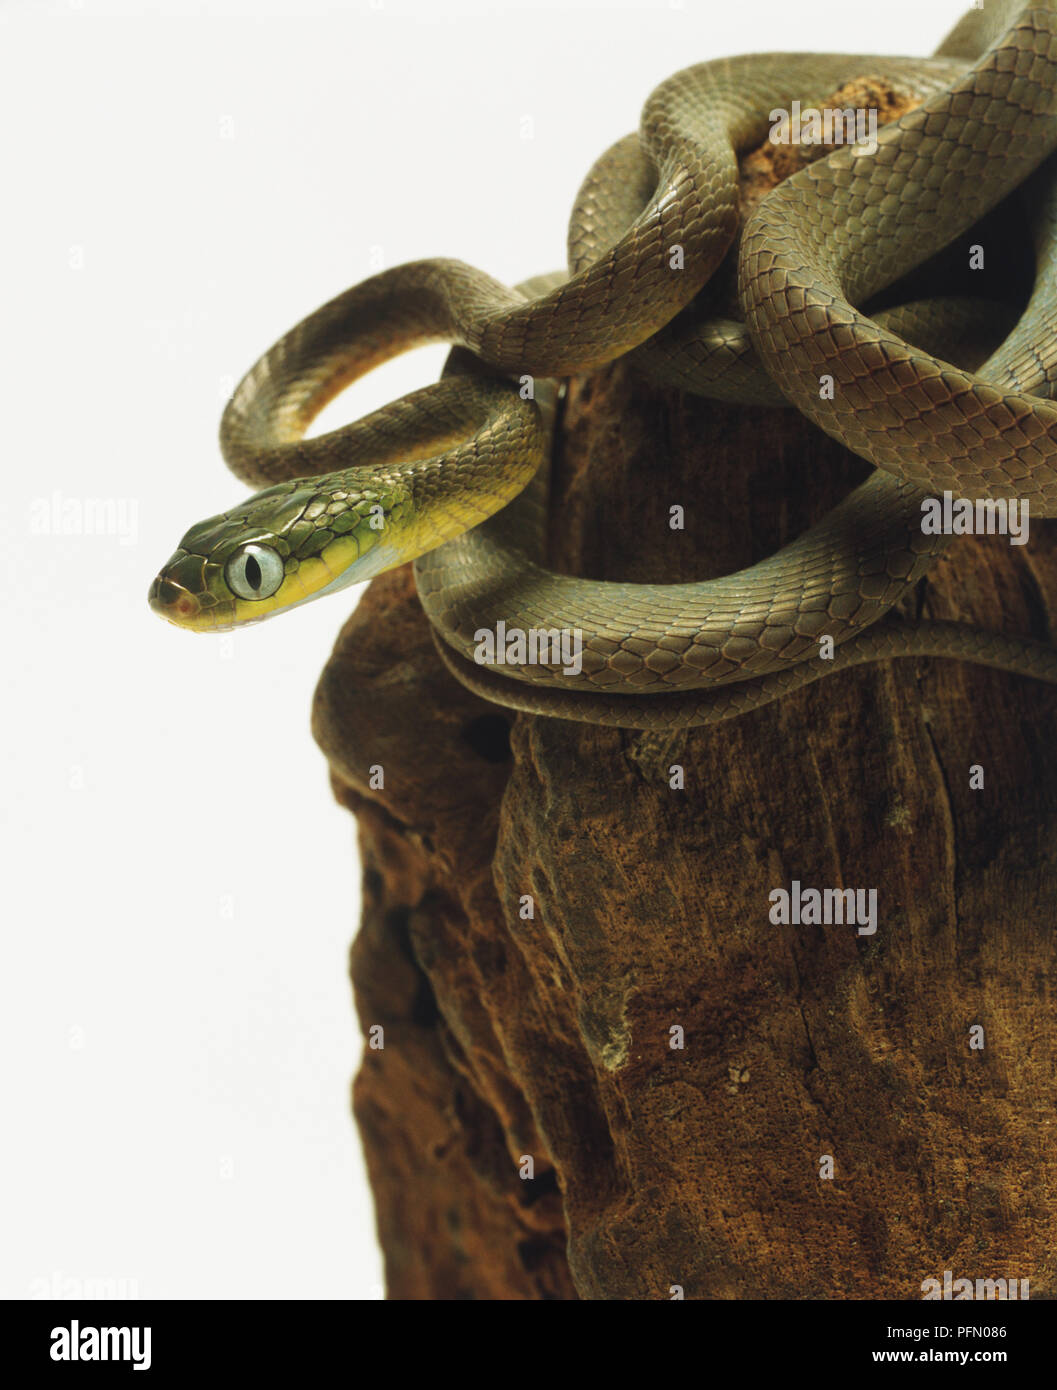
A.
pixel 551 1038
pixel 643 1087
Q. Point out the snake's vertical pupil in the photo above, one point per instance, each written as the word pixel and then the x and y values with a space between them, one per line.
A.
pixel 254 571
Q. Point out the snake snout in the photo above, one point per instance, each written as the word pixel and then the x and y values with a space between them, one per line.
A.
pixel 172 601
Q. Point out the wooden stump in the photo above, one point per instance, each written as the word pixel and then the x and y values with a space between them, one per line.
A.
pixel 550 1038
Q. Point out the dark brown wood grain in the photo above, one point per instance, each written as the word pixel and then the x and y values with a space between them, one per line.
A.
pixel 550 1037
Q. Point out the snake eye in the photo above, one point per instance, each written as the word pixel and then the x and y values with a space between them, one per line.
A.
pixel 254 571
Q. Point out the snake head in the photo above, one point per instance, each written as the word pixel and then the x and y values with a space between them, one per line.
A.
pixel 278 549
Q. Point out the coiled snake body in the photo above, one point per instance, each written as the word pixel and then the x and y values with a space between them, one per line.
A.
pixel 455 474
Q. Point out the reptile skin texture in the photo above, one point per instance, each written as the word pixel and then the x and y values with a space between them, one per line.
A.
pixel 457 473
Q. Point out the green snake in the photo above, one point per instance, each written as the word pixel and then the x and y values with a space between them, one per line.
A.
pixel 454 476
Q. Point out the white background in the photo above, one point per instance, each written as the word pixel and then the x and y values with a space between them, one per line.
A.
pixel 182 183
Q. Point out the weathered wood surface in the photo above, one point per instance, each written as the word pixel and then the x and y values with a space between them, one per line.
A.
pixel 550 1038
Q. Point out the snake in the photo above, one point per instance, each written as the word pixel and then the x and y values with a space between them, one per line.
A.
pixel 455 476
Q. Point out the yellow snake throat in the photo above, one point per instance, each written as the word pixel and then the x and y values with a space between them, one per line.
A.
pixel 313 536
pixel 286 545
pixel 444 464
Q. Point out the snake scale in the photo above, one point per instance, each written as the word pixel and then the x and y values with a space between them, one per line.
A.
pixel 455 475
